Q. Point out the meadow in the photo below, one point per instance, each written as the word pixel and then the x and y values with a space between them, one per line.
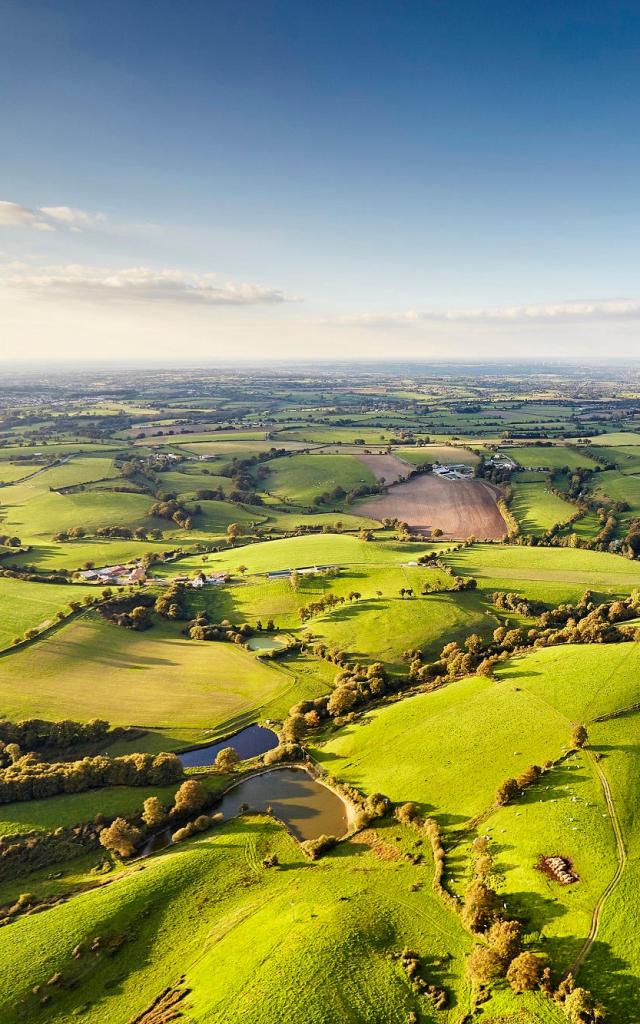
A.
pixel 157 679
pixel 536 507
pixel 25 606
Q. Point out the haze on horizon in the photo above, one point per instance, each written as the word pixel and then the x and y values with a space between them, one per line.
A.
pixel 424 179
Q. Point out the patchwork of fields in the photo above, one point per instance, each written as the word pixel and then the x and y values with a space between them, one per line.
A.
pixel 295 598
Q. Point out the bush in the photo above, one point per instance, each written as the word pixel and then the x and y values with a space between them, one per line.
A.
pixel 525 972
pixel 191 796
pixel 120 837
pixel 314 848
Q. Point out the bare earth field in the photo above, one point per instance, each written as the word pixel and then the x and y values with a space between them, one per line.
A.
pixel 385 467
pixel 460 508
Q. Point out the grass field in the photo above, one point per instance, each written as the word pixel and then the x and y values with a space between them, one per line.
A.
pixel 536 508
pixel 299 479
pixel 297 552
pixel 33 605
pixel 156 678
pixel 549 457
pixel 248 940
pixel 442 453
pixel 553 575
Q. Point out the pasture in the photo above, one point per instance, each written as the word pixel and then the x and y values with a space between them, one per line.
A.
pixel 156 679
pixel 25 605
pixel 536 507
pixel 299 479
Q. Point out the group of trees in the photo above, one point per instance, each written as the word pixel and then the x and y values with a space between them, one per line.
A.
pixel 38 733
pixel 123 837
pixel 511 602
pixel 354 687
pixel 327 603
pixel 176 511
pixel 581 623
pixel 201 628
pixel 500 953
pixel 130 611
pixel 172 602
pixel 27 778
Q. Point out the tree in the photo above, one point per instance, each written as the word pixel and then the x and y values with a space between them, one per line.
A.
pixel 226 759
pixel 579 736
pixel 505 938
pixel 293 729
pixel 581 1007
pixel 480 905
pixel 484 965
pixel 120 837
pixel 525 972
pixel 191 796
pixel 153 812
pixel 507 791
pixel 407 813
pixel 233 532
pixel 377 805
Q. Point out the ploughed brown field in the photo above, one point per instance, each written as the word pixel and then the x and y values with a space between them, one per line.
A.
pixel 460 508
pixel 385 467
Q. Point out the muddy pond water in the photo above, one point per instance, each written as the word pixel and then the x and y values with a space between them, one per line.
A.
pixel 306 807
pixel 249 742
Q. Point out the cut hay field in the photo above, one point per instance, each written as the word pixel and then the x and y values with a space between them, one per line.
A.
pixel 298 479
pixel 90 669
pixel 460 508
pixel 552 575
pixel 445 454
pixel 26 605
pixel 549 457
pixel 536 508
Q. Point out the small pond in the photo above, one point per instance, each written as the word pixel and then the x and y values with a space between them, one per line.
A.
pixel 249 742
pixel 308 808
pixel 264 643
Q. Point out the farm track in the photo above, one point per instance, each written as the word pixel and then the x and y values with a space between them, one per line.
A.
pixel 622 861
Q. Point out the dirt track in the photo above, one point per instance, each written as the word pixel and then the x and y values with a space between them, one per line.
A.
pixel 460 508
pixel 385 467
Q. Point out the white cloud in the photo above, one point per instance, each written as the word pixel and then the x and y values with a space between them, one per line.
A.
pixel 131 284
pixel 569 312
pixel 47 218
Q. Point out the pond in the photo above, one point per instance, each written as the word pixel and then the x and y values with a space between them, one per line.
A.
pixel 264 643
pixel 306 807
pixel 249 742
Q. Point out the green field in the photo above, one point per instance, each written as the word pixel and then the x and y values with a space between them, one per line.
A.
pixel 537 508
pixel 549 457
pixel 33 606
pixel 298 552
pixel 246 939
pixel 298 479
pixel 317 941
pixel 553 575
pixel 152 679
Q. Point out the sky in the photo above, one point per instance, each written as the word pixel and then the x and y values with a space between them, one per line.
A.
pixel 281 179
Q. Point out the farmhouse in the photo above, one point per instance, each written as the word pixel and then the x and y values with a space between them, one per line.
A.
pixel 212 580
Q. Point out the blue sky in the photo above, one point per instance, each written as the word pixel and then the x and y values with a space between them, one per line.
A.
pixel 345 178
